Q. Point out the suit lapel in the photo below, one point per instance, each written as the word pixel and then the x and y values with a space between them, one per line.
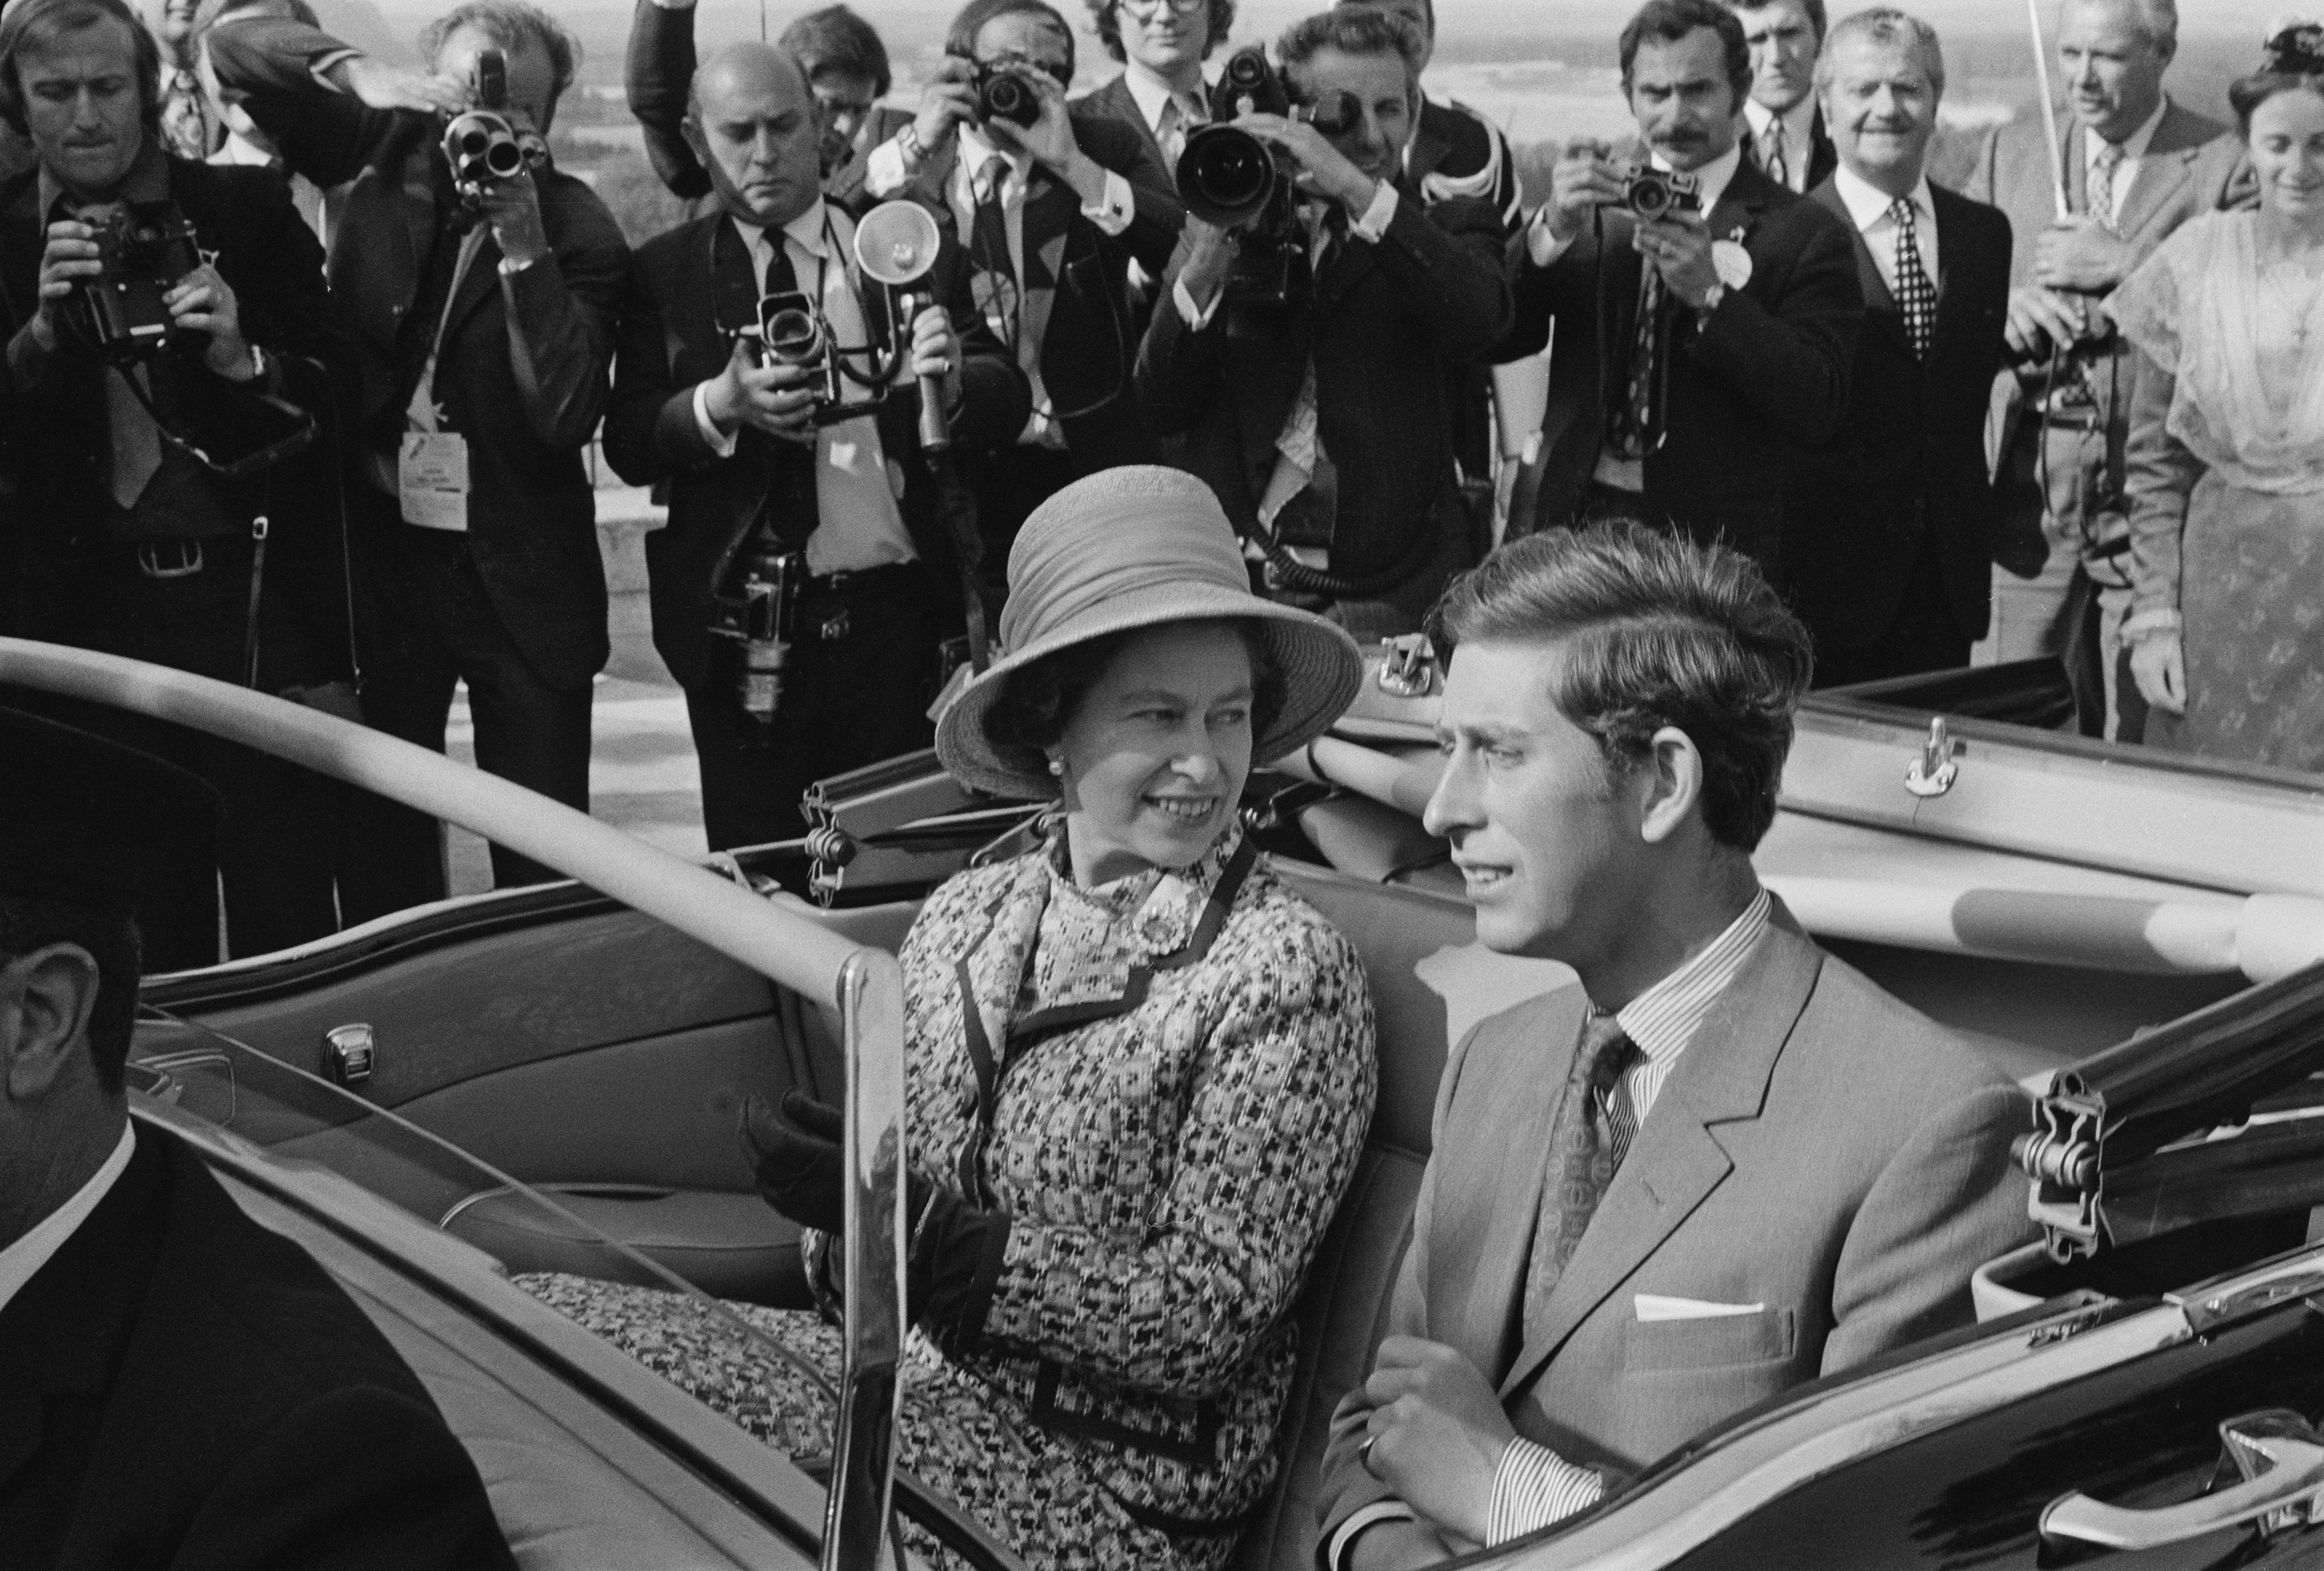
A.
pixel 1675 1161
pixel 1426 150
pixel 2168 165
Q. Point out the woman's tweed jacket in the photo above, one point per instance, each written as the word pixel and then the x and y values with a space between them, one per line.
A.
pixel 1178 1107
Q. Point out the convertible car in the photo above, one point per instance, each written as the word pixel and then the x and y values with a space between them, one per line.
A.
pixel 547 1078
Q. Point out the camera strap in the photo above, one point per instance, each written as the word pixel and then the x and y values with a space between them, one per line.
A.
pixel 301 432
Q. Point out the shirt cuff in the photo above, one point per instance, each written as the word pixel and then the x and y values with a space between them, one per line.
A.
pixel 1533 1487
pixel 884 170
pixel 720 442
pixel 1194 316
pixel 1335 1556
pixel 1543 247
pixel 1112 212
pixel 1378 216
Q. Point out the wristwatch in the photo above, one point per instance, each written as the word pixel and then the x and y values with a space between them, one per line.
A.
pixel 909 143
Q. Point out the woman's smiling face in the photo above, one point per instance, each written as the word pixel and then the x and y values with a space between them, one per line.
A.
pixel 1156 751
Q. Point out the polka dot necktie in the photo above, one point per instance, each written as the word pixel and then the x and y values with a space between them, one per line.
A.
pixel 1634 426
pixel 1588 1140
pixel 1914 293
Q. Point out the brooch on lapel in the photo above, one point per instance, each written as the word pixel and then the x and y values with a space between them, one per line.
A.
pixel 1730 260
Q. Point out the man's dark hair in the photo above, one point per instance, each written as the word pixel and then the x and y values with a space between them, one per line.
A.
pixel 835 38
pixel 1669 21
pixel 1653 631
pixel 28 23
pixel 512 25
pixel 1103 13
pixel 110 937
pixel 960 38
pixel 1818 18
pixel 1354 30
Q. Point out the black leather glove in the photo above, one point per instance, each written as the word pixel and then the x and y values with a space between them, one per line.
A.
pixel 952 1260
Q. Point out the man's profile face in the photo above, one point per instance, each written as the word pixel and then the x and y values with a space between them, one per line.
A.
pixel 1784 44
pixel 532 74
pixel 1384 99
pixel 1881 109
pixel 1544 838
pixel 754 126
pixel 1684 105
pixel 2112 69
pixel 82 106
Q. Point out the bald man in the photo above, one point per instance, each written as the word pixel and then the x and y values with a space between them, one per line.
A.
pixel 2137 166
pixel 850 511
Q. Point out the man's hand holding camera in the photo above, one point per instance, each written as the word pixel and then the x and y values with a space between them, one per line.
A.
pixel 1050 141
pixel 71 260
pixel 1677 241
pixel 513 207
pixel 201 303
pixel 1324 170
pixel 947 103
pixel 778 397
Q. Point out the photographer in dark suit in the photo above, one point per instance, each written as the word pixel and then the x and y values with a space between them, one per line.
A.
pixel 1329 429
pixel 129 536
pixel 485 324
pixel 178 1387
pixel 757 489
pixel 1051 206
pixel 1699 347
pixel 1892 524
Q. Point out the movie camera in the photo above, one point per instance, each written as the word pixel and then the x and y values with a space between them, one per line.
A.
pixel 896 246
pixel 1231 178
pixel 144 250
pixel 484 146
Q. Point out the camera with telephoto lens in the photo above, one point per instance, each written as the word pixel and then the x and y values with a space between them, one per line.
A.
pixel 760 613
pixel 1234 179
pixel 1652 193
pixel 1007 92
pixel 484 145
pixel 144 250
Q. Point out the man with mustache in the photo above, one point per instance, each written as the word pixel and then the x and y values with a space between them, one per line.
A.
pixel 1698 347
pixel 2137 165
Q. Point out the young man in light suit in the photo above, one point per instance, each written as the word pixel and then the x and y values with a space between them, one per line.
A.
pixel 1724 1165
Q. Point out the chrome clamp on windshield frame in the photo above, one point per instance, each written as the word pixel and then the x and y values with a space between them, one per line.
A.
pixel 1407 666
pixel 350 1052
pixel 1933 772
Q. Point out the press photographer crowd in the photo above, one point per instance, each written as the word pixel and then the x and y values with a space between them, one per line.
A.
pixel 307 353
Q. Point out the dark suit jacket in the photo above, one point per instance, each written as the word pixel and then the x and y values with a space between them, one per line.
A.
pixel 1089 349
pixel 672 340
pixel 1766 376
pixel 180 1388
pixel 1382 321
pixel 1113 102
pixel 1456 152
pixel 1909 459
pixel 57 434
pixel 1819 1151
pixel 1823 156
pixel 524 373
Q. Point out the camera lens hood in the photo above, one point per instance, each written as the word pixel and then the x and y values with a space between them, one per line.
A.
pixel 1226 175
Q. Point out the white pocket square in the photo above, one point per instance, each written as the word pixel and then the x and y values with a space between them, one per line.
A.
pixel 1653 1306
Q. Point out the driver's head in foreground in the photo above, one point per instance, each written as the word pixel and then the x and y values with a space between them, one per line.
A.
pixel 208 1395
pixel 1724 1164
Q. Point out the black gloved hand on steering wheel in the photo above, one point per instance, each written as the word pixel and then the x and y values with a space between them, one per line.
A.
pixel 953 1256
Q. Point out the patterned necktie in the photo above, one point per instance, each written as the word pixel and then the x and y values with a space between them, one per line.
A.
pixel 1634 430
pixel 1588 1142
pixel 995 270
pixel 1914 292
pixel 1172 133
pixel 1774 164
pixel 2101 202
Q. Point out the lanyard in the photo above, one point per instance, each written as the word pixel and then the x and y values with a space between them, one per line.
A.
pixel 422 411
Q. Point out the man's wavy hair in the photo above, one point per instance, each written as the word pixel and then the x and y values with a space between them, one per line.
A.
pixel 960 37
pixel 1106 15
pixel 512 25
pixel 32 23
pixel 1669 21
pixel 1654 631
pixel 835 38
pixel 1355 30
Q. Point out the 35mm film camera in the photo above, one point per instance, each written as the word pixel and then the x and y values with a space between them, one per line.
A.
pixel 484 146
pixel 145 250
pixel 1654 193
pixel 1007 92
pixel 1230 178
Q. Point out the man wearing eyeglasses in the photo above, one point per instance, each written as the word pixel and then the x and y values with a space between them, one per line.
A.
pixel 1161 44
pixel 1051 213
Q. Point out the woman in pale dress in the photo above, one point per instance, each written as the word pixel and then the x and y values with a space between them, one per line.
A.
pixel 2226 445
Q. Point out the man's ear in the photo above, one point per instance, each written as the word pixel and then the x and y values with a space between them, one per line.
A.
pixel 1672 784
pixel 691 129
pixel 45 1001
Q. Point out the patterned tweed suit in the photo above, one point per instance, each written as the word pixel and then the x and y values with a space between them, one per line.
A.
pixel 1185 1074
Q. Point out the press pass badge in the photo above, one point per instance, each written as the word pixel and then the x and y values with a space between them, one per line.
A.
pixel 431 479
pixel 1731 261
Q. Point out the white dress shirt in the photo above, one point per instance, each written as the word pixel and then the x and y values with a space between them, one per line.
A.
pixel 1152 94
pixel 1534 1486
pixel 1872 210
pixel 1799 136
pixel 858 523
pixel 2134 154
pixel 21 1260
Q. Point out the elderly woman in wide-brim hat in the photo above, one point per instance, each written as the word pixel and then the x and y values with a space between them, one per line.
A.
pixel 1141 1070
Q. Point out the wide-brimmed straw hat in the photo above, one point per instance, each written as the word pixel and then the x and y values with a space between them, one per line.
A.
pixel 1136 547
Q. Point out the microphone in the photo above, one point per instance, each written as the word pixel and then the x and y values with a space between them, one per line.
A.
pixel 896 245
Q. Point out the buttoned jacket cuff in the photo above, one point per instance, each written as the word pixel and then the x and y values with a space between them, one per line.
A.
pixel 885 170
pixel 1195 316
pixel 1112 212
pixel 1542 247
pixel 720 442
pixel 1335 1554
pixel 1376 216
pixel 1533 1487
